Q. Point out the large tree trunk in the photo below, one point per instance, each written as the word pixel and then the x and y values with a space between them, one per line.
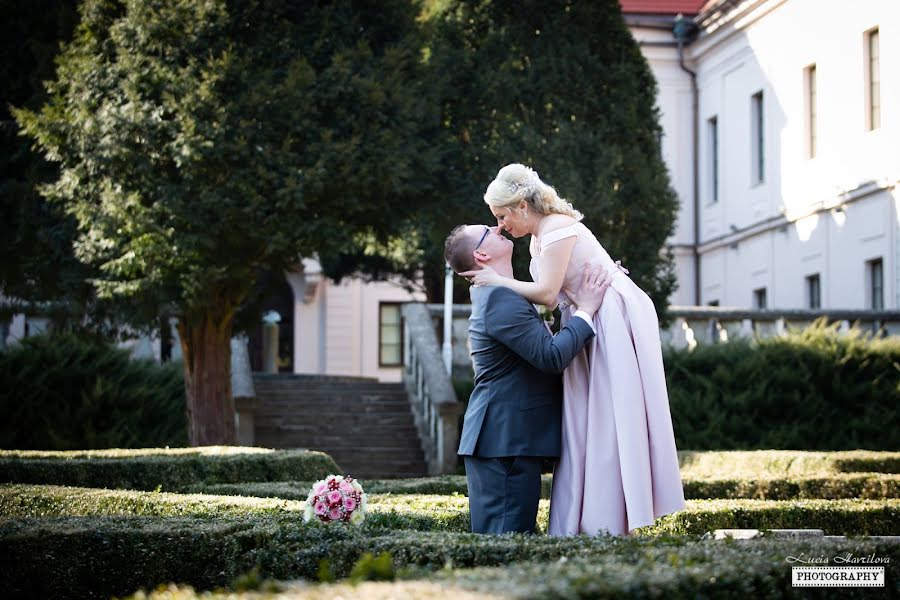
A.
pixel 206 346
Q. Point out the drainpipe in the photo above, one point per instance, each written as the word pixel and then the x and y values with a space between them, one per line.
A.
pixel 685 30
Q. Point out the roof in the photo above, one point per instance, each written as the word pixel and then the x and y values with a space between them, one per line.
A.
pixel 662 7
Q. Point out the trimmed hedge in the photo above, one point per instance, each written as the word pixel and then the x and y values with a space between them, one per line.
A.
pixel 63 391
pixel 765 464
pixel 169 469
pixel 93 557
pixel 835 517
pixel 815 389
pixel 451 513
pixel 865 486
pixel 628 569
pixel 423 513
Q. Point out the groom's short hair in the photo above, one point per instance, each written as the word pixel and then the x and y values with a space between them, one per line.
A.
pixel 458 249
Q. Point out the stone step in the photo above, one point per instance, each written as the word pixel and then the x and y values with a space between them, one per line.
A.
pixel 287 377
pixel 366 426
pixel 293 385
pixel 333 418
pixel 343 392
pixel 408 442
pixel 354 399
pixel 339 429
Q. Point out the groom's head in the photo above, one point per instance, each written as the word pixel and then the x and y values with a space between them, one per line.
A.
pixel 466 242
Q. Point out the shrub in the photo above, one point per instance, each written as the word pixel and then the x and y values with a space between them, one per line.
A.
pixel 169 469
pixel 812 389
pixel 784 463
pixel 64 392
pixel 871 486
pixel 93 557
pixel 451 513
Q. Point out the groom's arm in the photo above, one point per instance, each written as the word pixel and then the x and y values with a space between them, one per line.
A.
pixel 511 320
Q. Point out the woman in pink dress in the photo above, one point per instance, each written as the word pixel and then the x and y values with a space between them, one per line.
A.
pixel 619 466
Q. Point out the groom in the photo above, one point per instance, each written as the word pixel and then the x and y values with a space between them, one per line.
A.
pixel 514 418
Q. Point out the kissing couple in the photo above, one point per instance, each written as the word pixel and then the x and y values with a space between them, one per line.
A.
pixel 605 421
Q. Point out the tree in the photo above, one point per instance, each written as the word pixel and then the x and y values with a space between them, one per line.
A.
pixel 38 271
pixel 202 141
pixel 561 86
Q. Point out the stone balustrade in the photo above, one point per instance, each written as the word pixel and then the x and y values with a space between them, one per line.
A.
pixel 430 390
pixel 692 325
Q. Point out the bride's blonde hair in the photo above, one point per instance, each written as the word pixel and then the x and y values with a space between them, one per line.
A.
pixel 516 182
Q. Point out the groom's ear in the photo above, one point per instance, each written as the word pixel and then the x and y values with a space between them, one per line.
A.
pixel 482 256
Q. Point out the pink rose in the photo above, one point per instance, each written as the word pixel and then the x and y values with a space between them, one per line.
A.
pixel 321 508
pixel 349 503
pixel 319 488
pixel 345 486
pixel 334 497
pixel 335 514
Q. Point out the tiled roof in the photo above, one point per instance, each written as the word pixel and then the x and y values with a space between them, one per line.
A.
pixel 662 7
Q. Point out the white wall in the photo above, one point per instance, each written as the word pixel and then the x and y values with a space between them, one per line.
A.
pixel 775 233
pixel 336 333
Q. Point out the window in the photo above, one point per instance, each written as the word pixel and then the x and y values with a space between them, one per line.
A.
pixel 712 126
pixel 814 291
pixel 876 284
pixel 873 80
pixel 811 132
pixel 390 335
pixel 758 142
pixel 759 298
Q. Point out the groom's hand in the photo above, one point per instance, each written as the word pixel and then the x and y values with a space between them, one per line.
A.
pixel 589 295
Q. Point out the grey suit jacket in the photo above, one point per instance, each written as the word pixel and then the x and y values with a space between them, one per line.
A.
pixel 516 406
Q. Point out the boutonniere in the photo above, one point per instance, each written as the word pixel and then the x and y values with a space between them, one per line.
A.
pixel 546 315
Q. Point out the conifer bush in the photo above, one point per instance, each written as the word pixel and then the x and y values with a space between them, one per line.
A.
pixel 65 392
pixel 812 389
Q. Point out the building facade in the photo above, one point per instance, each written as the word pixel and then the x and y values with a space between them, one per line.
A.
pixel 782 137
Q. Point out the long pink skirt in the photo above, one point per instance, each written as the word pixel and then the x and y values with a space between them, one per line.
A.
pixel 619 466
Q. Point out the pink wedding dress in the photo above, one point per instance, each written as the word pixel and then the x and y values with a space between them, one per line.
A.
pixel 619 467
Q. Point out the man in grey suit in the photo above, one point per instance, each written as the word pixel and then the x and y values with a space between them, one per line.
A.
pixel 514 418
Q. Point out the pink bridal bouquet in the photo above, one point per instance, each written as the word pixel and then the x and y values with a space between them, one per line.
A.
pixel 336 498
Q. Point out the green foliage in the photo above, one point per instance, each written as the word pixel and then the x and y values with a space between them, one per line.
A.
pixel 199 141
pixel 38 271
pixel 871 486
pixel 372 568
pixel 770 464
pixel 451 513
pixel 170 469
pixel 812 389
pixel 67 392
pixel 103 556
pixel 561 86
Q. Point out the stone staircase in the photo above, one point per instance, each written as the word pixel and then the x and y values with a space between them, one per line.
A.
pixel 366 426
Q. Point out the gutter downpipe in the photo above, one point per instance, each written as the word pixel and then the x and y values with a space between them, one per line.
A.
pixel 685 31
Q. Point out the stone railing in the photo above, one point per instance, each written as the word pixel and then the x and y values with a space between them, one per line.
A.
pixel 430 390
pixel 690 325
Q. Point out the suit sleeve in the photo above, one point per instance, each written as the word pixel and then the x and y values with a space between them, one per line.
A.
pixel 511 320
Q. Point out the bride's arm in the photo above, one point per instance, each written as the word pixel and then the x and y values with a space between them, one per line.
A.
pixel 552 264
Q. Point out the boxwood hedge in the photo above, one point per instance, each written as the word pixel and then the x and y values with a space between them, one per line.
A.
pixel 169 469
pixel 450 513
pixel 869 486
pixel 92 557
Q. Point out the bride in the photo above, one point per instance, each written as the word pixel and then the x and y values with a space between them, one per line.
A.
pixel 619 467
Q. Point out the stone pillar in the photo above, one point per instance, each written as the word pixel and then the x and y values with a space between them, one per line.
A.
pixel 242 391
pixel 270 342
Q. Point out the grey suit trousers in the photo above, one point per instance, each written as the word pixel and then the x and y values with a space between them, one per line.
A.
pixel 503 493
